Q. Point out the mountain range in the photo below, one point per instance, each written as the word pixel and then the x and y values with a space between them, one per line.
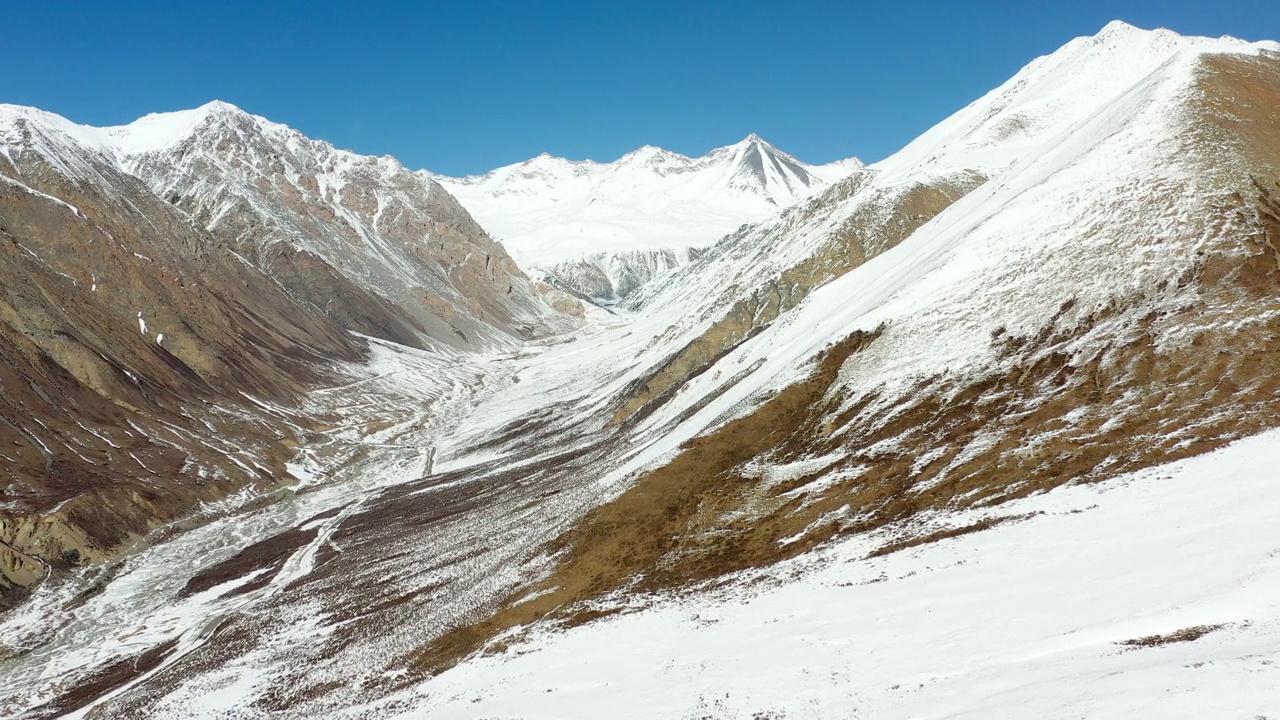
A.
pixel 986 428
pixel 602 230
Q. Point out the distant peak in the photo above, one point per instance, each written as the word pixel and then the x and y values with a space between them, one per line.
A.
pixel 650 154
pixel 752 140
pixel 1118 27
pixel 542 158
pixel 158 130
pixel 220 107
pixel 755 141
pixel 1123 31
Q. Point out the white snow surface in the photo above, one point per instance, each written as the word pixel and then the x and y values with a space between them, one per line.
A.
pixel 1022 620
pixel 549 209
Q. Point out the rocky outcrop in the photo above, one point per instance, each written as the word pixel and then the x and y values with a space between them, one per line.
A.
pixel 610 278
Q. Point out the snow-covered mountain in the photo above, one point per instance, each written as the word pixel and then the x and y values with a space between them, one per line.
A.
pixel 983 429
pixel 137 353
pixel 166 281
pixel 383 250
pixel 601 229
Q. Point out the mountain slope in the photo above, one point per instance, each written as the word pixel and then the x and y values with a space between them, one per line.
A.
pixel 382 250
pixel 135 296
pixel 130 339
pixel 598 228
pixel 1065 321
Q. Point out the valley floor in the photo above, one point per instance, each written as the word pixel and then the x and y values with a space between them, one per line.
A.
pixel 59 643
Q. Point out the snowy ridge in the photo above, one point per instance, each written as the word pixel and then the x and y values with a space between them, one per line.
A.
pixel 157 131
pixel 1051 95
pixel 1105 182
pixel 549 210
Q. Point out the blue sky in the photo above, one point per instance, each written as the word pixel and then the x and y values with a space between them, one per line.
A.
pixel 465 86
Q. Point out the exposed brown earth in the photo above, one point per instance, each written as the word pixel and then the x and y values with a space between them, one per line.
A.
pixel 1189 634
pixel 940 535
pixel 266 557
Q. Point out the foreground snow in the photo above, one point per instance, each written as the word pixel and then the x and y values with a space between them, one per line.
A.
pixel 1022 620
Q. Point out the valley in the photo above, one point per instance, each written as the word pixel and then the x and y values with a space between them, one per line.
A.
pixel 845 449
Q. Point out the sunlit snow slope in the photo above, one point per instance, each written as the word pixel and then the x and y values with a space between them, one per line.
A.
pixel 1152 595
pixel 605 228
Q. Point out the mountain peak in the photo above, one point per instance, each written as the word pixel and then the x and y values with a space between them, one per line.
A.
pixel 753 139
pixel 1120 27
pixel 1122 33
pixel 220 109
pixel 652 155
pixel 159 130
pixel 543 159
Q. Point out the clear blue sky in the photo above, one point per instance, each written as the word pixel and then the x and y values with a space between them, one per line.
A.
pixel 465 86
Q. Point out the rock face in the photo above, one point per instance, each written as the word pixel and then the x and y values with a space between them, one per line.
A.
pixel 601 230
pixel 381 250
